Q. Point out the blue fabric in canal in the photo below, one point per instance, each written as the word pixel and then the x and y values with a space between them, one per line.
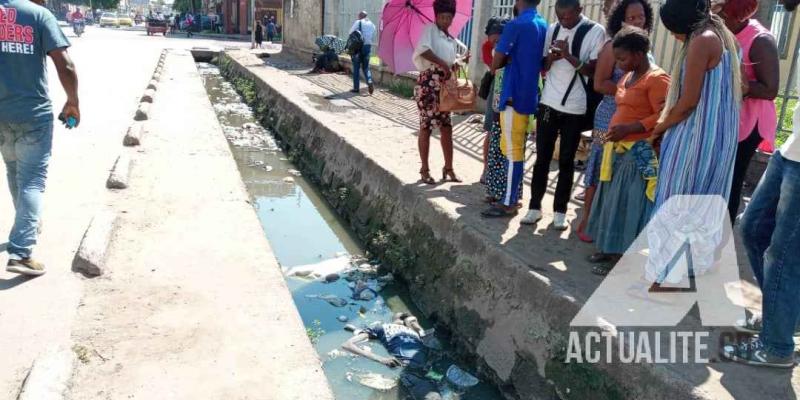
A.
pixel 401 342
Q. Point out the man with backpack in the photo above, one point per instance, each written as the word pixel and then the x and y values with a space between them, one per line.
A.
pixel 567 105
pixel 359 47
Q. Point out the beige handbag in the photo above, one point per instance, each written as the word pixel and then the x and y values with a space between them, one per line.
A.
pixel 457 95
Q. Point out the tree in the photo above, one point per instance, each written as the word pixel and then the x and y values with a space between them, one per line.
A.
pixel 186 5
pixel 99 4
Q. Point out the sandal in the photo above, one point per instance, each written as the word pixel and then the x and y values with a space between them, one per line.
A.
pixel 598 258
pixel 448 175
pixel 602 269
pixel 498 212
pixel 425 177
pixel 583 237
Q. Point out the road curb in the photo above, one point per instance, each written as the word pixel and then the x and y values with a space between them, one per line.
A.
pixel 152 85
pixel 49 375
pixel 134 135
pixel 120 173
pixel 90 259
pixel 143 112
pixel 147 97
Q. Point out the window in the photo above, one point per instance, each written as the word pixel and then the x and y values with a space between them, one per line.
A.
pixel 782 23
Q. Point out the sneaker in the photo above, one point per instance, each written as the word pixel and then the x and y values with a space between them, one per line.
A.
pixel 371 88
pixel 560 221
pixel 532 217
pixel 754 324
pixel 25 266
pixel 752 352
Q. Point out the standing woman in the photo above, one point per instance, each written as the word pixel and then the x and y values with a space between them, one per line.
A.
pixel 259 34
pixel 627 178
pixel 636 13
pixel 700 131
pixel 758 120
pixel 435 57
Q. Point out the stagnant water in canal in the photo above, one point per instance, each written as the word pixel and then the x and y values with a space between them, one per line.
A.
pixel 304 231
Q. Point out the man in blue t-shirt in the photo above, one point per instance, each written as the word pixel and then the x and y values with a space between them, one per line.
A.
pixel 519 51
pixel 29 33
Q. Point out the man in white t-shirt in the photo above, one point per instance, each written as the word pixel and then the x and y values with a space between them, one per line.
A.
pixel 771 234
pixel 571 48
pixel 361 59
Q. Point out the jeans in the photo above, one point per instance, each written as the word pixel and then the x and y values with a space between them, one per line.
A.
pixel 550 124
pixel 771 234
pixel 26 151
pixel 744 153
pixel 361 62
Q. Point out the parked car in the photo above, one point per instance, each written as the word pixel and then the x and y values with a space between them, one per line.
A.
pixel 109 19
pixel 124 20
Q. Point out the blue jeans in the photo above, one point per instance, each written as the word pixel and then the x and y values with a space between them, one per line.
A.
pixel 26 151
pixel 771 235
pixel 361 62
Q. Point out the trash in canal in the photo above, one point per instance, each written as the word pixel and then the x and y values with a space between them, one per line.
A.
pixel 377 381
pixel 330 278
pixel 342 318
pixel 321 269
pixel 288 179
pixel 331 299
pixel 460 378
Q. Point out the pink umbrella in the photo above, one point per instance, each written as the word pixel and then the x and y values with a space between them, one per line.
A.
pixel 402 23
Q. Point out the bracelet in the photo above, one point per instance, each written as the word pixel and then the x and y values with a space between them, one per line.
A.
pixel 578 68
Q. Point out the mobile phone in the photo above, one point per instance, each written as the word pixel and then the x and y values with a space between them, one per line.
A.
pixel 70 122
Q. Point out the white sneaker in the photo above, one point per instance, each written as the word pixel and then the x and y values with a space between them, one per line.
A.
pixel 532 217
pixel 560 221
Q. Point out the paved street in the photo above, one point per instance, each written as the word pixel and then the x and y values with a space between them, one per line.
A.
pixel 113 67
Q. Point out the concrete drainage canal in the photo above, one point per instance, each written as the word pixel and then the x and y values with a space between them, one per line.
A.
pixel 335 285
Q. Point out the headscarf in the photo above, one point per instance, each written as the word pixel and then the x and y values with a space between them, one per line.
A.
pixel 444 7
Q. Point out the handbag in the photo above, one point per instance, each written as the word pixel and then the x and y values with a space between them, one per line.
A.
pixel 457 95
pixel 486 85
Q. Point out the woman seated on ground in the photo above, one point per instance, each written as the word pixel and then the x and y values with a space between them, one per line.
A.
pixel 626 191
pixel 436 58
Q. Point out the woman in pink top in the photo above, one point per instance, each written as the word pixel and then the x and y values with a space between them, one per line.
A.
pixel 758 120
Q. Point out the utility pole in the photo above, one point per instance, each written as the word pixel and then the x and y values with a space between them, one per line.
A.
pixel 252 24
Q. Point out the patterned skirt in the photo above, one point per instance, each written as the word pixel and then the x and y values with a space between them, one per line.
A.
pixel 497 167
pixel 602 120
pixel 426 93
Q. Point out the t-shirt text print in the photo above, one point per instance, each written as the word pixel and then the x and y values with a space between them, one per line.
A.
pixel 14 38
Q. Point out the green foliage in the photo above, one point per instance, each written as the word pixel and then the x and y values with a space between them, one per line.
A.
pixel 781 137
pixel 99 4
pixel 315 331
pixel 186 5
pixel 401 89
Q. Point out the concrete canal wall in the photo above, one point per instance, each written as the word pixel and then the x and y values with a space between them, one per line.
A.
pixel 507 313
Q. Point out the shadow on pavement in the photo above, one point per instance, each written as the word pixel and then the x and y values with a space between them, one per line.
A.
pixel 6 284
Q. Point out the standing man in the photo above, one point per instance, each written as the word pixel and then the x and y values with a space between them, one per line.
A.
pixel 770 232
pixel 26 117
pixel 522 41
pixel 574 44
pixel 361 59
pixel 271 30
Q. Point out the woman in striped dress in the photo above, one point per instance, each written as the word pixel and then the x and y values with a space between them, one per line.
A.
pixel 700 130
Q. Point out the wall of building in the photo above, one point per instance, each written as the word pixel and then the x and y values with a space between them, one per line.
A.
pixel 302 23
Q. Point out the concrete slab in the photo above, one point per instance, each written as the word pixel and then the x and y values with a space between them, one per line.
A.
pixel 507 292
pixel 49 375
pixel 118 178
pixel 148 95
pixel 133 137
pixel 196 307
pixel 142 112
pixel 90 259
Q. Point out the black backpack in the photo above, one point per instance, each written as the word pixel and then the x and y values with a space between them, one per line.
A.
pixel 355 42
pixel 592 98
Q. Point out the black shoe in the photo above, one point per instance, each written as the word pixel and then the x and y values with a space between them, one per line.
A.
pixel 371 88
pixel 355 91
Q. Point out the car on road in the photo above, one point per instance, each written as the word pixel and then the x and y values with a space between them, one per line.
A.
pixel 124 20
pixel 109 19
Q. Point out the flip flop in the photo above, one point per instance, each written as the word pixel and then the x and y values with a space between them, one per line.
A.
pixel 602 269
pixel 583 237
pixel 498 212
pixel 598 258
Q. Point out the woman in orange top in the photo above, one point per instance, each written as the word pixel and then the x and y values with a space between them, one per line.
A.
pixel 625 195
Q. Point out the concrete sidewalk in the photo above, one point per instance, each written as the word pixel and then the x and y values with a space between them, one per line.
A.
pixel 506 291
pixel 194 305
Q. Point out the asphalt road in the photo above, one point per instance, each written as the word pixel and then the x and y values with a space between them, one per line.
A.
pixel 114 67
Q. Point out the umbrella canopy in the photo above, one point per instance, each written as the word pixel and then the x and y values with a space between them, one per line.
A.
pixel 402 23
pixel 330 42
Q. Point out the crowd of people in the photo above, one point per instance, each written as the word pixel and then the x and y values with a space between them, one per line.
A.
pixel 655 135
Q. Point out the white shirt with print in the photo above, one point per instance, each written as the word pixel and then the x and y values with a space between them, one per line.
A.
pixel 561 72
